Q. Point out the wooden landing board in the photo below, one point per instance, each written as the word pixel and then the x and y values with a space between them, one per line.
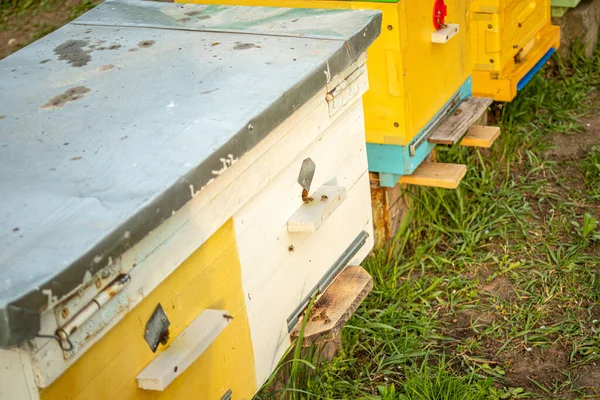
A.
pixel 185 349
pixel 453 127
pixel 441 175
pixel 334 308
pixel 481 136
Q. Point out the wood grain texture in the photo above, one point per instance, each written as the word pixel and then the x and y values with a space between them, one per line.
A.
pixel 389 206
pixel 454 126
pixel 481 136
pixel 334 308
pixel 440 175
pixel 16 376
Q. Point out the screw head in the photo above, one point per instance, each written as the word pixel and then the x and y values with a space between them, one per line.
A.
pixel 490 26
pixel 396 125
pixel 390 27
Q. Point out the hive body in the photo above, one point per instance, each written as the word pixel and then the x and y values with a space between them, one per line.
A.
pixel 165 196
pixel 510 42
pixel 414 82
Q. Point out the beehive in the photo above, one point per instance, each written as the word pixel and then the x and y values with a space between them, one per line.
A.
pixel 510 41
pixel 414 81
pixel 156 239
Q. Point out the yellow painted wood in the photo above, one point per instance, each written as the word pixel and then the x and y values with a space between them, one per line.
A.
pixel 442 175
pixel 209 278
pixel 481 136
pixel 503 86
pixel 410 77
pixel 501 29
pixel 508 37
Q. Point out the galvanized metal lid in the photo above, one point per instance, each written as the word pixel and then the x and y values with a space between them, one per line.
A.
pixel 107 123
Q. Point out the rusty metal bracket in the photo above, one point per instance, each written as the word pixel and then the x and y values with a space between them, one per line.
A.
pixel 227 396
pixel 103 297
pixel 307 173
pixel 157 328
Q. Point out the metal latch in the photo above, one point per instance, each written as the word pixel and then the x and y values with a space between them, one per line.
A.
pixel 345 91
pixel 433 124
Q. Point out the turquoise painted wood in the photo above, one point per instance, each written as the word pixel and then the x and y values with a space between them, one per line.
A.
pixel 391 161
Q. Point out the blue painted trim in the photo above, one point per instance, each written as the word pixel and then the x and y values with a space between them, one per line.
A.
pixel 529 76
pixel 388 180
pixel 393 161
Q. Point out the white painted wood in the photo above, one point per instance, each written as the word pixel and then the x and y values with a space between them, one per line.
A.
pixel 16 376
pixel 312 214
pixel 294 274
pixel 163 250
pixel 338 155
pixel 277 279
pixel 185 349
pixel 445 34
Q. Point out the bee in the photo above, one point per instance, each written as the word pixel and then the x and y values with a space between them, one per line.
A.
pixel 305 197
pixel 324 197
pixel 291 248
pixel 227 317
pixel 458 112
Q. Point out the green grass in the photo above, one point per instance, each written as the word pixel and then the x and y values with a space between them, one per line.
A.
pixel 590 167
pixel 493 291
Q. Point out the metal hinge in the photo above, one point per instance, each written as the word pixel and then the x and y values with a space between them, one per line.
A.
pixel 346 90
pixel 75 325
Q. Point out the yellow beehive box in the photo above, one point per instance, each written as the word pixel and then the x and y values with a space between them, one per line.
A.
pixel 412 77
pixel 177 197
pixel 510 41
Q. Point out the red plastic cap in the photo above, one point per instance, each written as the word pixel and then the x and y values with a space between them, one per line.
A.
pixel 440 11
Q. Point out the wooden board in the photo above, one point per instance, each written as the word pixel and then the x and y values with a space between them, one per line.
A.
pixel 481 136
pixel 316 209
pixel 441 175
pixel 389 211
pixel 334 308
pixel 16 376
pixel 185 349
pixel 272 271
pixel 454 126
